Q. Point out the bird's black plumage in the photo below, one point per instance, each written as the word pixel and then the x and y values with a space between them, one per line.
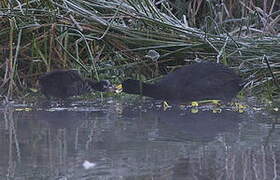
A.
pixel 194 82
pixel 66 83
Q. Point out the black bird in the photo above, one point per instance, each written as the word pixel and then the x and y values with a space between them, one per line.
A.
pixel 66 83
pixel 201 81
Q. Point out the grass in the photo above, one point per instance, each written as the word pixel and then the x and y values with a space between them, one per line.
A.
pixel 109 39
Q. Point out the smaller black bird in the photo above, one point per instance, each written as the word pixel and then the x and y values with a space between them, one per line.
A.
pixel 66 83
pixel 201 81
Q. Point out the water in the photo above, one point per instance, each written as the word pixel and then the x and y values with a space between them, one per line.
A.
pixel 136 141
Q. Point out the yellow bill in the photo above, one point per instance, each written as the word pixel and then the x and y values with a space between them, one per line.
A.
pixel 119 88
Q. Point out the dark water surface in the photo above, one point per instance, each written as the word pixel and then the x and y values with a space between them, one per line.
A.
pixel 130 141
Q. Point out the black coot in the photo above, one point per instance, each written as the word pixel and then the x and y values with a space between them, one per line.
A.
pixel 66 83
pixel 201 81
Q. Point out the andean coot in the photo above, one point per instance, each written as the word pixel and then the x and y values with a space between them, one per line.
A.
pixel 66 83
pixel 200 81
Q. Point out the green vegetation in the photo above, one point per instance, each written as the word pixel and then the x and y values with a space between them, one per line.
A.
pixel 109 39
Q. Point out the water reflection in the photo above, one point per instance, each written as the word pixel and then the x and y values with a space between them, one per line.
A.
pixel 128 141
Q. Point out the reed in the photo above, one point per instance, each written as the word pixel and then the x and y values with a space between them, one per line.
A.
pixel 109 39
